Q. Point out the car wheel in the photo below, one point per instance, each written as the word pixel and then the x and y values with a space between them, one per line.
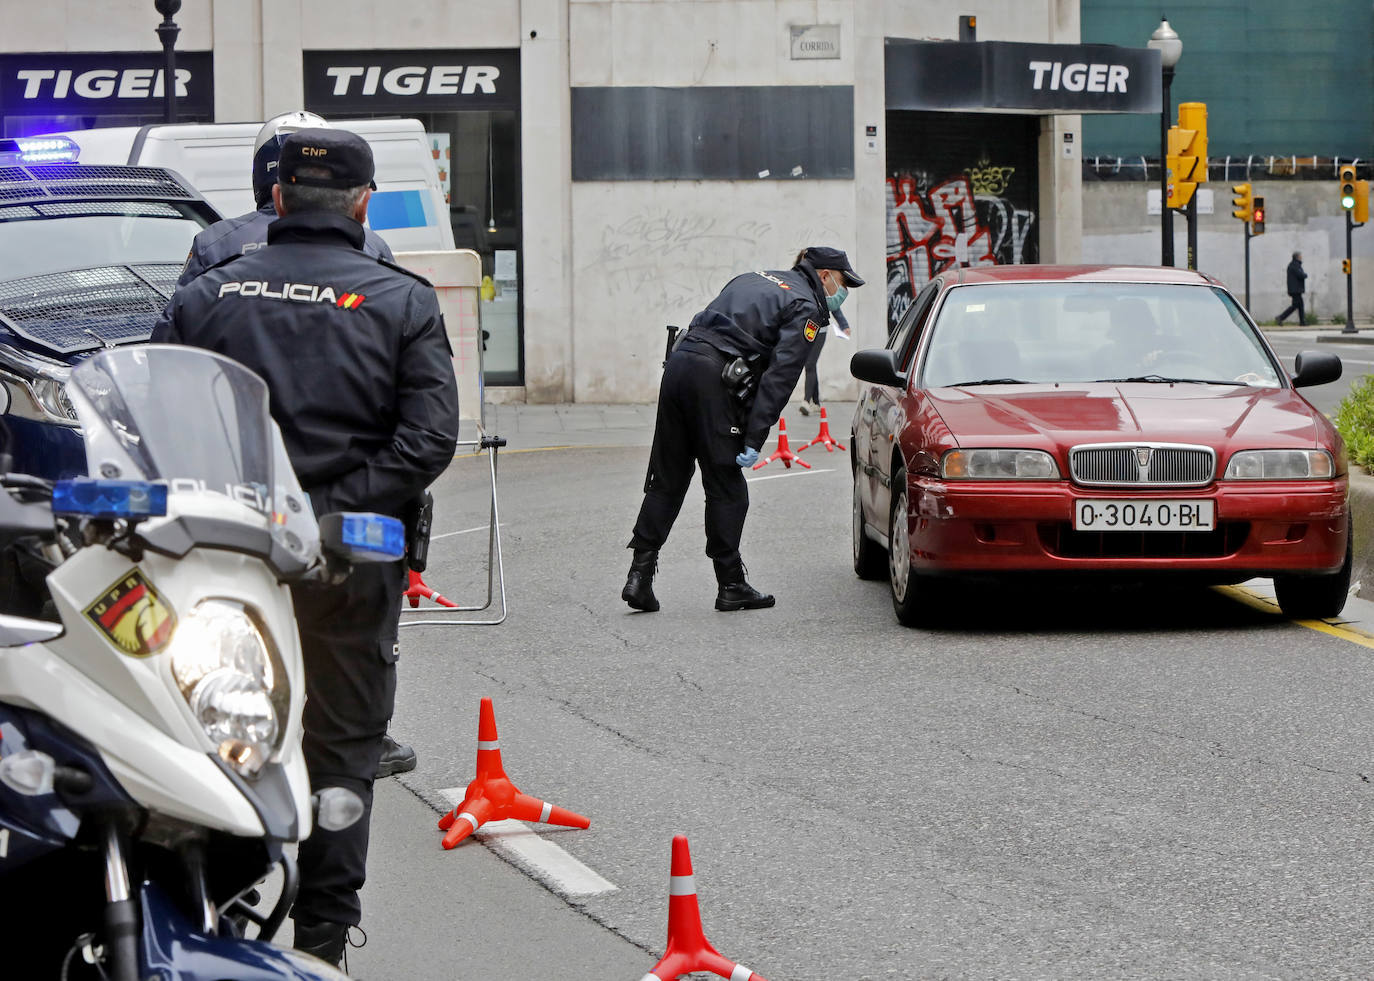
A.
pixel 1317 597
pixel 870 561
pixel 916 599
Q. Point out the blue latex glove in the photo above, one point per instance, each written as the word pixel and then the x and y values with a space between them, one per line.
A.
pixel 748 458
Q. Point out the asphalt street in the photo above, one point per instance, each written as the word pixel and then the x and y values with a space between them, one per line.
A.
pixel 1090 782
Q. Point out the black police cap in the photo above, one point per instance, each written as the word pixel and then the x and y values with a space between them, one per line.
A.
pixel 346 156
pixel 823 257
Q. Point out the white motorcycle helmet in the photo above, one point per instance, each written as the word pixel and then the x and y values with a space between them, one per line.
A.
pixel 267 148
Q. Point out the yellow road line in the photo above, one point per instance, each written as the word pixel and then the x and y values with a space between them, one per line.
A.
pixel 1333 627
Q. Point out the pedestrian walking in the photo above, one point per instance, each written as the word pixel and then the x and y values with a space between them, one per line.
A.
pixel 360 377
pixel 723 388
pixel 1297 279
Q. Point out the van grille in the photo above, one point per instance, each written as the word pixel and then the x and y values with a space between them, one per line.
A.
pixel 39 182
pixel 84 309
pixel 1142 464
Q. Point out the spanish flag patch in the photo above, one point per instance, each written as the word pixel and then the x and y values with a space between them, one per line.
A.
pixel 811 330
pixel 350 301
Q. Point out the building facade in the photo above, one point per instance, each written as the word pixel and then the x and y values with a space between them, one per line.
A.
pixel 616 161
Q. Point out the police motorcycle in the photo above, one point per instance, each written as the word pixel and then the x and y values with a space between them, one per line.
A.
pixel 151 772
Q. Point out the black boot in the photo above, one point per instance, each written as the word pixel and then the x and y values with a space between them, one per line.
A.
pixel 736 594
pixel 639 584
pixel 322 939
pixel 396 758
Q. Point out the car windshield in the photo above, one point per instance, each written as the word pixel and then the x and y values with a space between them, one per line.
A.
pixel 37 239
pixel 197 421
pixel 1075 332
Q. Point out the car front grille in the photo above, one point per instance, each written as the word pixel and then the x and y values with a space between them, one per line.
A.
pixel 1142 464
pixel 1060 539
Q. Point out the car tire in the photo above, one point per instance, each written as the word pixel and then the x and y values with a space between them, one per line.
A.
pixel 870 559
pixel 1317 597
pixel 916 599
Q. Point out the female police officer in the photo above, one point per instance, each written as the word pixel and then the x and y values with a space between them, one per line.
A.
pixel 723 388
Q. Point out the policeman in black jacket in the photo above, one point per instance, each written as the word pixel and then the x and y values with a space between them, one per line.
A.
pixel 723 388
pixel 233 236
pixel 360 381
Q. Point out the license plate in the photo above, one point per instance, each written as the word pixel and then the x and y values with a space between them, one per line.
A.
pixel 1119 515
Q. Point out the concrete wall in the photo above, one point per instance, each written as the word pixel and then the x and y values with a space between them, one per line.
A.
pixel 1303 216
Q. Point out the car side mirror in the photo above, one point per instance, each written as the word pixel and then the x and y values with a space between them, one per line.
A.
pixel 1315 368
pixel 877 365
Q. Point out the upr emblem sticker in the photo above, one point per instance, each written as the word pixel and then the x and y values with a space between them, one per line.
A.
pixel 810 330
pixel 133 616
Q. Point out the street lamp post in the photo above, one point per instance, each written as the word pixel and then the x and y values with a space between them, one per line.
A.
pixel 167 32
pixel 1170 48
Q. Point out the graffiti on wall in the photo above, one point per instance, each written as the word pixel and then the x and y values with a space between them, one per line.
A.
pixel 935 223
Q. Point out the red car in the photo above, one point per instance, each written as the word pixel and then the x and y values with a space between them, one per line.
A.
pixel 1128 422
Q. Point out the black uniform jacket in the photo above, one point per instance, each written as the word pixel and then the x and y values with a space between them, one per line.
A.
pixel 1297 278
pixel 775 316
pixel 235 236
pixel 353 350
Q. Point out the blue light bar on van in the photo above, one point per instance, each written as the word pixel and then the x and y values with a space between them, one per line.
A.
pixel 92 498
pixel 374 533
pixel 47 149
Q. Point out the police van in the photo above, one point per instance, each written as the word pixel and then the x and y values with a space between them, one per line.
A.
pixel 407 209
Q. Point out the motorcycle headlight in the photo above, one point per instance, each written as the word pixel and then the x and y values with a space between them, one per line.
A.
pixel 232 678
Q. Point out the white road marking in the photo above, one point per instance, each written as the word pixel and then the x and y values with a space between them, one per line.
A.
pixel 516 842
pixel 465 531
pixel 799 472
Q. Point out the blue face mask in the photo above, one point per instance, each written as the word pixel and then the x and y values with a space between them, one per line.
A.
pixel 834 300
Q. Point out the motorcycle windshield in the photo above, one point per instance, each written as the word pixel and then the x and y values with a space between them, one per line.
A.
pixel 197 421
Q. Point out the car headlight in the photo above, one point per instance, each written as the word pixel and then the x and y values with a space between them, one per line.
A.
pixel 231 677
pixel 1281 465
pixel 998 465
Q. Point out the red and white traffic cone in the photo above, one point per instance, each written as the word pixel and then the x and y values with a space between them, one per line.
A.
pixel 783 452
pixel 417 590
pixel 688 949
pixel 492 797
pixel 823 437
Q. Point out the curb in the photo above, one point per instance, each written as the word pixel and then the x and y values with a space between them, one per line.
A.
pixel 1362 513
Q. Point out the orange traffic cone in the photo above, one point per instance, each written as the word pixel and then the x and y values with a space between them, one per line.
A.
pixel 417 590
pixel 782 453
pixel 688 949
pixel 492 797
pixel 823 437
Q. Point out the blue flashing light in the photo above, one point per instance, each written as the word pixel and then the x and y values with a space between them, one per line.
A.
pixel 92 498
pixel 47 149
pixel 374 533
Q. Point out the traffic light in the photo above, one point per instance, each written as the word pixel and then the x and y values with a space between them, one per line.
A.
pixel 1345 266
pixel 1257 217
pixel 1348 187
pixel 1187 158
pixel 1241 202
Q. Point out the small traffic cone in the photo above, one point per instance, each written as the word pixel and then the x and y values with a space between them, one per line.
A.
pixel 688 949
pixel 782 453
pixel 492 797
pixel 823 437
pixel 417 590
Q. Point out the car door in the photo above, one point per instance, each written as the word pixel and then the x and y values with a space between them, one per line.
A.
pixel 880 410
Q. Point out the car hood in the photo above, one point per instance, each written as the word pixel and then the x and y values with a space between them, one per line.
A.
pixel 1066 415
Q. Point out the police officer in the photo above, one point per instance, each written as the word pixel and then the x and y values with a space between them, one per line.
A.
pixel 233 236
pixel 723 388
pixel 360 378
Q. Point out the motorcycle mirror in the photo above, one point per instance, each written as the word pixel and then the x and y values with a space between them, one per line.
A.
pixel 337 808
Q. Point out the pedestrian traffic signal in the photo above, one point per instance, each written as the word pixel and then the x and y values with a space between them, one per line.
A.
pixel 1241 202
pixel 1257 217
pixel 1348 187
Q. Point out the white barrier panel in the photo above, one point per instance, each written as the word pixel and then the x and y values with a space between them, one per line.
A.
pixel 457 278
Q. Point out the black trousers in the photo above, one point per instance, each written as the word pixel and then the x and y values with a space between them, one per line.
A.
pixel 812 390
pixel 348 642
pixel 1295 305
pixel 699 423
